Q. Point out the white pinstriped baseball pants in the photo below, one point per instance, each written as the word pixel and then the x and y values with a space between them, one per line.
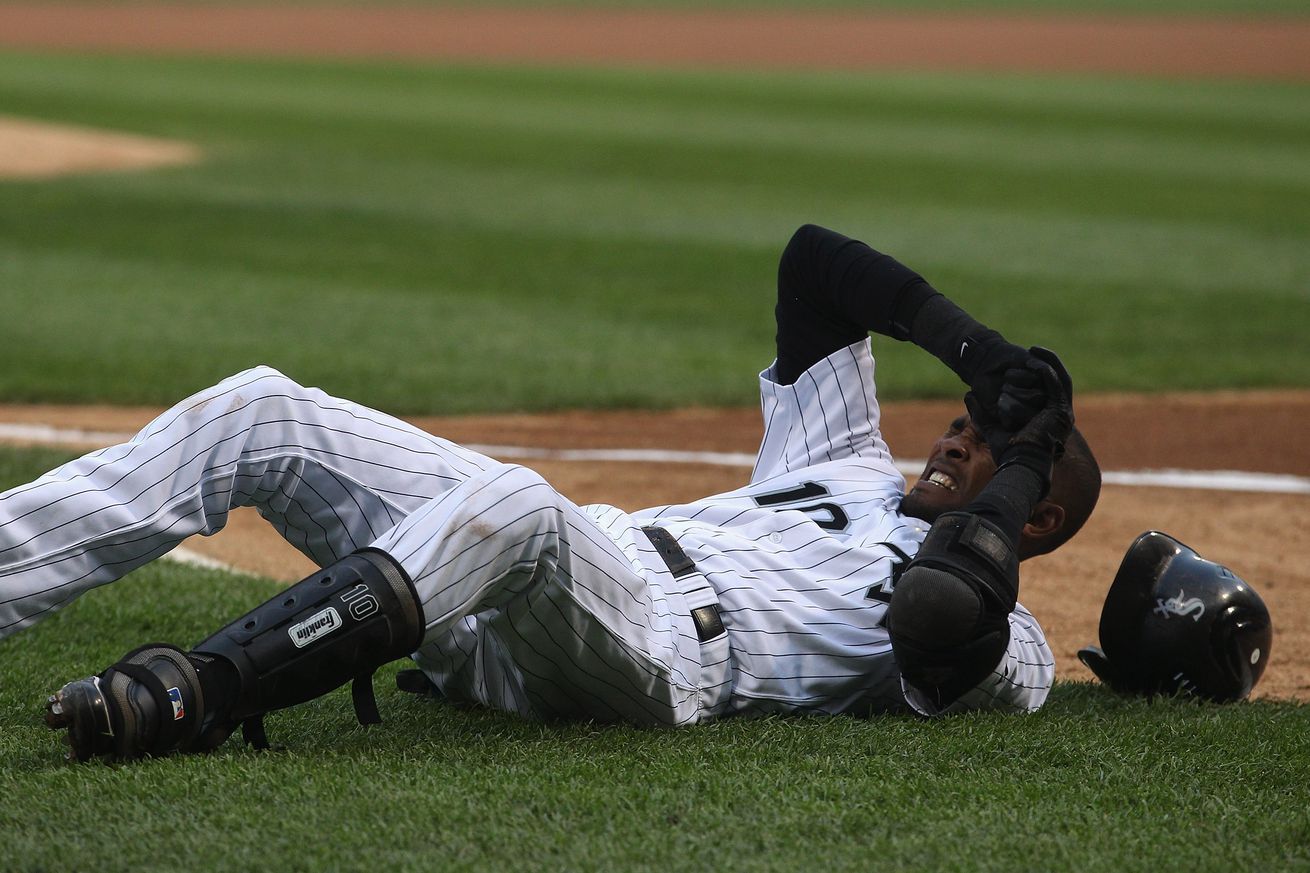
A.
pixel 533 604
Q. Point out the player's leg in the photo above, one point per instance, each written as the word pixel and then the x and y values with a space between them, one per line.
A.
pixel 338 624
pixel 568 622
pixel 329 474
pixel 501 542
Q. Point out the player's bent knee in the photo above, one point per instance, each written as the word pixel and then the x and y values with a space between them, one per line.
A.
pixel 516 477
pixel 270 385
pixel 253 375
pixel 534 500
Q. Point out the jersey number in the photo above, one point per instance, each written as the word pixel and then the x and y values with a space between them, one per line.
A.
pixel 882 592
pixel 825 514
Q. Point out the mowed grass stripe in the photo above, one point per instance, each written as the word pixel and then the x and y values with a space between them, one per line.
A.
pixel 451 239
pixel 843 114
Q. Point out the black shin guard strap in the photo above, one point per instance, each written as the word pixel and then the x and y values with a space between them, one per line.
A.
pixel 339 624
pixel 158 705
pixel 253 733
pixel 364 700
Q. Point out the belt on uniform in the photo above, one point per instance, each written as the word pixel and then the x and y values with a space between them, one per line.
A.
pixel 706 618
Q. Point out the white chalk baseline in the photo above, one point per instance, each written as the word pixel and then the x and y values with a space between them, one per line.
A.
pixel 1203 480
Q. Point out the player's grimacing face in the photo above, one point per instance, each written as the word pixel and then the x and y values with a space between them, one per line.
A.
pixel 959 466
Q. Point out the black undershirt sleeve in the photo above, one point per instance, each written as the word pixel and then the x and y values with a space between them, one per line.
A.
pixel 833 291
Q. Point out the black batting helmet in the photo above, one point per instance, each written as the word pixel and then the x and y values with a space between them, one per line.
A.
pixel 1175 622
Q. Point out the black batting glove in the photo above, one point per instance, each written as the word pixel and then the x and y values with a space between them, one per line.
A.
pixel 988 423
pixel 1051 426
pixel 1034 408
pixel 1022 396
pixel 1040 442
pixel 983 361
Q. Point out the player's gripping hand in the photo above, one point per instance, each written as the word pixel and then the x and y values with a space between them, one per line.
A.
pixel 986 364
pixel 1048 429
pixel 1034 406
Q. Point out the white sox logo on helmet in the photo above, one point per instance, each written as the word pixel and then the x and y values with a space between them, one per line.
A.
pixel 1181 605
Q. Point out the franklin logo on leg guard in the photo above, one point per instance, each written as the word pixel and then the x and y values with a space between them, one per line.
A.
pixel 320 624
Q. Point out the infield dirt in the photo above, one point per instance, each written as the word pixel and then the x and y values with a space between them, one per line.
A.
pixel 823 39
pixel 39 150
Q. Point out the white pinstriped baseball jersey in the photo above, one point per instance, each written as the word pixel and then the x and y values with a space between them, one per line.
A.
pixel 804 558
pixel 533 604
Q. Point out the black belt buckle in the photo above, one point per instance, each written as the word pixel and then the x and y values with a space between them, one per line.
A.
pixel 707 621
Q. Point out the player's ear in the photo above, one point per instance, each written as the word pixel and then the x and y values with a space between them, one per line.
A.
pixel 1046 519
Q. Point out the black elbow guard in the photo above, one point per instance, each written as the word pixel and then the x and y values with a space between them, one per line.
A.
pixel 949 616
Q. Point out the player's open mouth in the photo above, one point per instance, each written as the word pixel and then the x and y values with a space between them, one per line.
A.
pixel 941 480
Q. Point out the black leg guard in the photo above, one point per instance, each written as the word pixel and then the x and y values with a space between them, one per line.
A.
pixel 339 624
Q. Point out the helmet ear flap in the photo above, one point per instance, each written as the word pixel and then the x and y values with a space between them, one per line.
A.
pixel 1126 643
pixel 1096 661
pixel 1241 640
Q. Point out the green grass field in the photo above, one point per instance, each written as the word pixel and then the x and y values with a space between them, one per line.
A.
pixel 1091 782
pixel 434 239
pixel 443 239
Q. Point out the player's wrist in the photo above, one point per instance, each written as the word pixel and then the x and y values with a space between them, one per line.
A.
pixel 1028 466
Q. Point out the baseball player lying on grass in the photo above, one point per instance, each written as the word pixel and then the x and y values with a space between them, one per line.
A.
pixel 819 587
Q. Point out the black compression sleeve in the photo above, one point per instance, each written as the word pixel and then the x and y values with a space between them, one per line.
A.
pixel 942 328
pixel 832 291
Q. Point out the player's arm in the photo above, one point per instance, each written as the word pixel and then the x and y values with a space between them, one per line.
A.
pixel 833 291
pixel 949 618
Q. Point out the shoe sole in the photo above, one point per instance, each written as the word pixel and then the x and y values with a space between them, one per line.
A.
pixel 79 707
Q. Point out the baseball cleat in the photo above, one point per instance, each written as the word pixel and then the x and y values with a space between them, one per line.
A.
pixel 80 708
pixel 149 703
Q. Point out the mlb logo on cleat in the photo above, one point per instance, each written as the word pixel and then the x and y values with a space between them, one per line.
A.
pixel 175 698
